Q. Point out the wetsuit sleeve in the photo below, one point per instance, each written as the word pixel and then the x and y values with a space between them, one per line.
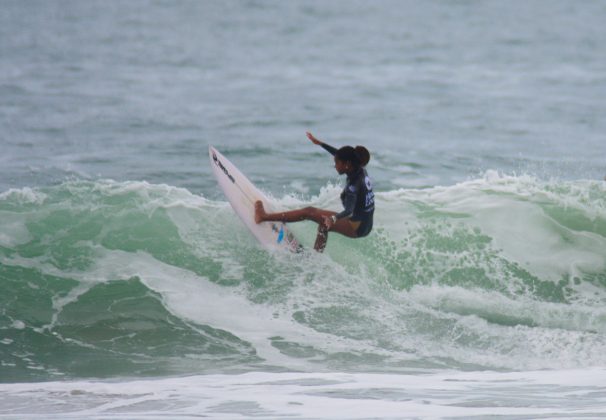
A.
pixel 349 202
pixel 328 148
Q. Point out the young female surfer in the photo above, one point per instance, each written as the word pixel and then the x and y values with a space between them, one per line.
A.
pixel 358 199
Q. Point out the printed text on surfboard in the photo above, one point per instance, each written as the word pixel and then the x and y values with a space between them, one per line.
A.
pixel 223 168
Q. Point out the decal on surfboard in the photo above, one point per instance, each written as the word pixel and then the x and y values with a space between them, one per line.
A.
pixel 223 168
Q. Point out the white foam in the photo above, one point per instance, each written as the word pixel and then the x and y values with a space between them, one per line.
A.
pixel 515 333
pixel 530 394
pixel 17 324
pixel 13 232
pixel 24 195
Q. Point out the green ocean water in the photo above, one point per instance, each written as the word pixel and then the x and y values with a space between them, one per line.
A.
pixel 106 278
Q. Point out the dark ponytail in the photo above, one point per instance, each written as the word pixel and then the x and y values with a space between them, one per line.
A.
pixel 363 155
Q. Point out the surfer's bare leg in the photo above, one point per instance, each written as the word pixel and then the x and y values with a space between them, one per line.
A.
pixel 342 226
pixel 307 213
pixel 321 238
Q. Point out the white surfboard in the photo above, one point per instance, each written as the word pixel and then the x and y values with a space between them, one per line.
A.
pixel 242 195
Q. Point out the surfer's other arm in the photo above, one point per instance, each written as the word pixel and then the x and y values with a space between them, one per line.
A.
pixel 349 203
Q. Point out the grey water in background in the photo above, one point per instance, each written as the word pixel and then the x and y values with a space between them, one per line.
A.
pixel 439 91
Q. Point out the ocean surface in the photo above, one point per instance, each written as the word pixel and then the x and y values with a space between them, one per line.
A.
pixel 129 289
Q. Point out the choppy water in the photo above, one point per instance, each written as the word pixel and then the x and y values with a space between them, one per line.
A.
pixel 126 280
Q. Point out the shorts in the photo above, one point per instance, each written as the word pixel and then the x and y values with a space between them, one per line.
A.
pixel 365 226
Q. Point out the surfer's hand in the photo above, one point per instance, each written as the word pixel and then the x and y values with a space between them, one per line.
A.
pixel 312 138
pixel 327 222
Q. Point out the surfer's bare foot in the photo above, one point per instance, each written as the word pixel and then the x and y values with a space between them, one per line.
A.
pixel 259 212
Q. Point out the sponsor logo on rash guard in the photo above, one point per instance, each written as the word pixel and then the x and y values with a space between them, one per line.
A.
pixel 370 196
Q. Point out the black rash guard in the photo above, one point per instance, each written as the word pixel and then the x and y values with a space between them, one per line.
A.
pixel 357 197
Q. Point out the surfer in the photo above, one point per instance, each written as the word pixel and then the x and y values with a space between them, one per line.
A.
pixel 355 221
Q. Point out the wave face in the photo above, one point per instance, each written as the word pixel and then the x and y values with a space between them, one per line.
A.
pixel 104 278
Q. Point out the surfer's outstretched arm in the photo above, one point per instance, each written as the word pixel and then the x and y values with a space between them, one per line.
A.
pixel 325 146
